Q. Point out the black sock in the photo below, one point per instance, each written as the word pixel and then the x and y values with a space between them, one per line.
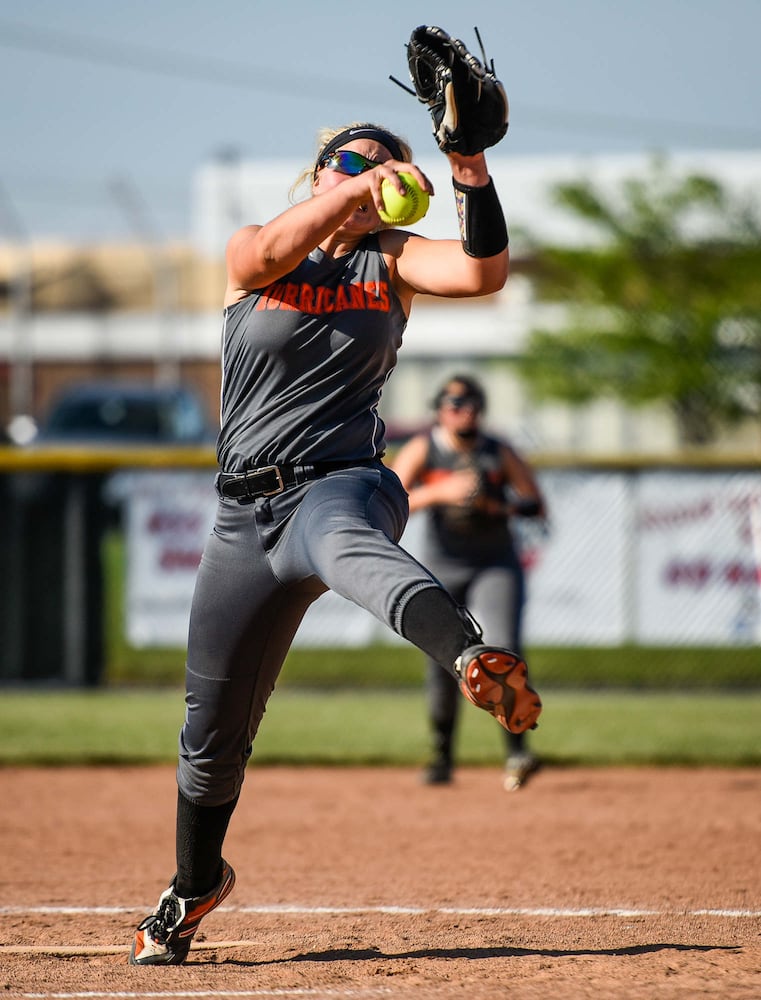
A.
pixel 442 744
pixel 434 623
pixel 200 834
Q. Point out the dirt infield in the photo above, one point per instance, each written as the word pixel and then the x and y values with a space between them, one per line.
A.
pixel 361 883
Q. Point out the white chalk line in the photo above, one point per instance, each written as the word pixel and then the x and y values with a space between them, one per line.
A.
pixel 477 911
pixel 303 911
pixel 303 992
pixel 108 949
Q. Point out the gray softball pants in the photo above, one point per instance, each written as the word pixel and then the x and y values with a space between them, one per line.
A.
pixel 263 565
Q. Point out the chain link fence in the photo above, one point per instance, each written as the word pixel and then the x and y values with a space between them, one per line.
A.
pixel 654 566
pixel 662 557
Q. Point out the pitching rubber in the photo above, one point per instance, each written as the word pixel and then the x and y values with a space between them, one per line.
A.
pixel 497 681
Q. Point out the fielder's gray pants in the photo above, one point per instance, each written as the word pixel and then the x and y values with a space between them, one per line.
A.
pixel 262 567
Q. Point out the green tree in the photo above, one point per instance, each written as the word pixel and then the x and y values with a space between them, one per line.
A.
pixel 664 302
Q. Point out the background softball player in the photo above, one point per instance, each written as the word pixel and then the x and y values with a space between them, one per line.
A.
pixel 470 484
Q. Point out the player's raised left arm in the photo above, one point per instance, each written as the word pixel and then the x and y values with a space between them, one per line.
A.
pixel 477 263
pixel 469 113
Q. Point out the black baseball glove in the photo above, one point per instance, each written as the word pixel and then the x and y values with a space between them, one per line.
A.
pixel 468 104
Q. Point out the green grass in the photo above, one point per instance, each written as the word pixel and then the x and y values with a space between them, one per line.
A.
pixel 625 667
pixel 366 726
pixel 626 705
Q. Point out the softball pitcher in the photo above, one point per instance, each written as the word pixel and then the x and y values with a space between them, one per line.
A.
pixel 316 303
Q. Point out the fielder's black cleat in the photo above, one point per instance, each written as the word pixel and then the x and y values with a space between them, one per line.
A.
pixel 438 772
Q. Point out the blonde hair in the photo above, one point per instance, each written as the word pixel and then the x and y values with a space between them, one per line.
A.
pixel 326 135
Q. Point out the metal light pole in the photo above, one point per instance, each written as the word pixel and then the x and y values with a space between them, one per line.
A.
pixel 136 212
pixel 21 425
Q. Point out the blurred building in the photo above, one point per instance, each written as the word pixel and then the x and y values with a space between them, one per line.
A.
pixel 154 312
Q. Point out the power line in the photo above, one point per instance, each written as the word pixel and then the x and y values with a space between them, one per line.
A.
pixel 178 65
pixel 150 59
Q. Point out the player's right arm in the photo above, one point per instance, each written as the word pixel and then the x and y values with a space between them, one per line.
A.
pixel 258 255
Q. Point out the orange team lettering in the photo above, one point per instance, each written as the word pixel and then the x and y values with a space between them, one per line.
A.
pixel 322 299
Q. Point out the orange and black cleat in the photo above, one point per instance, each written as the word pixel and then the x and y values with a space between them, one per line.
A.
pixel 164 937
pixel 496 680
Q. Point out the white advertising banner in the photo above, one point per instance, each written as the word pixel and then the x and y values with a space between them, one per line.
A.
pixel 661 557
pixel 169 517
pixel 698 568
pixel 576 575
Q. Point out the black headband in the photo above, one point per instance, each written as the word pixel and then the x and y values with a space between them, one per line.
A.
pixel 361 132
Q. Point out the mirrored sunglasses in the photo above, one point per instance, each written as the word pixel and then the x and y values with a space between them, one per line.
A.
pixel 461 402
pixel 346 161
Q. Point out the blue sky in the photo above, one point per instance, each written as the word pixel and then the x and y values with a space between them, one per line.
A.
pixel 101 97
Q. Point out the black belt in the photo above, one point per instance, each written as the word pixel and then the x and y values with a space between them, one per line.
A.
pixel 269 480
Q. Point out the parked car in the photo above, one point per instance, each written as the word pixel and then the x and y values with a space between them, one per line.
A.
pixel 127 412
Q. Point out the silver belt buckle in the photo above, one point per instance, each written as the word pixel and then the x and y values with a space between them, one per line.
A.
pixel 278 476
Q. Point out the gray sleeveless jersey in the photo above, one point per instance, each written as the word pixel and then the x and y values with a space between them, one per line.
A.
pixel 304 362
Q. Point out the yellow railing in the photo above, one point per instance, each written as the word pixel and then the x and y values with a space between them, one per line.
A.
pixel 95 458
pixel 87 458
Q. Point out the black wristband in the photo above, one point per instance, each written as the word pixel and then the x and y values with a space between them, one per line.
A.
pixel 528 508
pixel 483 229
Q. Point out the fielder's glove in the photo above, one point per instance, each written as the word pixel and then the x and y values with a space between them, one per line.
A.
pixel 467 103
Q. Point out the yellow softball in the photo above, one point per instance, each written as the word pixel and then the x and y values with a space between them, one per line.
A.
pixel 403 209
